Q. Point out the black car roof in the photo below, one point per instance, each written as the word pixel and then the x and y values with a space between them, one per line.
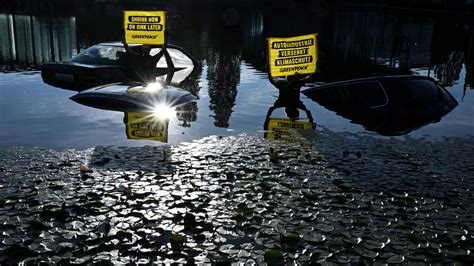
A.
pixel 118 44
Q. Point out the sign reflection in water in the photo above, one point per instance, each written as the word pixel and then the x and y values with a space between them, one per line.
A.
pixel 154 125
pixel 232 77
pixel 286 129
pixel 146 126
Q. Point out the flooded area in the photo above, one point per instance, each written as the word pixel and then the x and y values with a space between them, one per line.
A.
pixel 230 79
pixel 381 173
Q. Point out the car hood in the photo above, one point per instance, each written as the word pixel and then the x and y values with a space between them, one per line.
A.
pixel 133 97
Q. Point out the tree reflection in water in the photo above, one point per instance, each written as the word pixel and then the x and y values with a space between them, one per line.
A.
pixel 223 59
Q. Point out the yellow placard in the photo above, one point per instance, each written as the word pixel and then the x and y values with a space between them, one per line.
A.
pixel 145 27
pixel 288 56
pixel 285 129
pixel 144 126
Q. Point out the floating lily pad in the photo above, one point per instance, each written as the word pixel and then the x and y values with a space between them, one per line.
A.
pixel 177 240
pixel 273 256
pixel 290 237
pixel 396 259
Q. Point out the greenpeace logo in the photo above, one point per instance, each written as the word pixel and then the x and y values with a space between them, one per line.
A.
pixel 137 36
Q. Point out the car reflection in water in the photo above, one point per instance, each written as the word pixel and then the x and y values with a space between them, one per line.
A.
pixel 388 105
pixel 147 108
pixel 133 97
pixel 106 63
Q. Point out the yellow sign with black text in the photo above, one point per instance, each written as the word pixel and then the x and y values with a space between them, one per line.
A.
pixel 288 56
pixel 144 126
pixel 285 129
pixel 145 27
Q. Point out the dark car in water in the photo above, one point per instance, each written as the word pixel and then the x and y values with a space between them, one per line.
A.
pixel 107 63
pixel 388 105
pixel 135 97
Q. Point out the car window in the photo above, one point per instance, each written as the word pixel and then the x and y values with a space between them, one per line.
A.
pixel 182 63
pixel 100 55
pixel 420 89
pixel 369 94
pixel 178 57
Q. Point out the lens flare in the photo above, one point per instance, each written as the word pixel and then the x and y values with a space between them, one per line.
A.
pixel 163 111
pixel 154 87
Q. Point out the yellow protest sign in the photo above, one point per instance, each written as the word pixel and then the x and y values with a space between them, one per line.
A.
pixel 288 56
pixel 285 129
pixel 145 127
pixel 145 27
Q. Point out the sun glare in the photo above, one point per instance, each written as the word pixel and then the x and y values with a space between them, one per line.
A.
pixel 154 87
pixel 163 111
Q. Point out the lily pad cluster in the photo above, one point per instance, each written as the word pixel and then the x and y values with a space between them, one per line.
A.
pixel 348 199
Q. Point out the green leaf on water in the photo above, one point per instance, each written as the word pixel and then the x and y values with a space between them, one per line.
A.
pixel 273 256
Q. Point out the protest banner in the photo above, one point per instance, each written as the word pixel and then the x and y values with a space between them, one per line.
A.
pixel 145 27
pixel 288 56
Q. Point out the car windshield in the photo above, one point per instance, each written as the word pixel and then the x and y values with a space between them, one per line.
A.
pixel 100 55
pixel 420 90
pixel 368 94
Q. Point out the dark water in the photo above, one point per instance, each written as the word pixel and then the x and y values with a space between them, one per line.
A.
pixel 231 81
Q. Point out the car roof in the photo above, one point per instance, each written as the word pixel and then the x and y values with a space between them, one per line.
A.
pixel 133 45
pixel 118 44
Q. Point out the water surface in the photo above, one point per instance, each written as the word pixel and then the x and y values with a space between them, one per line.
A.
pixel 233 88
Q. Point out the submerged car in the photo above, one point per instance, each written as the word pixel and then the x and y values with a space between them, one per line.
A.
pixel 388 105
pixel 106 63
pixel 135 97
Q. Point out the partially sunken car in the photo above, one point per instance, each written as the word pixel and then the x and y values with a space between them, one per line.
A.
pixel 133 97
pixel 388 105
pixel 106 63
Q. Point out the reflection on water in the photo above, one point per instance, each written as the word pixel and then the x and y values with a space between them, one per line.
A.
pixel 223 200
pixel 32 40
pixel 442 45
pixel 223 74
pixel 469 78
pixel 286 128
pixel 146 126
pixel 402 42
pixel 7 47
pixel 385 40
pixel 253 39
pixel 231 74
pixel 187 113
pixel 154 126
pixel 392 40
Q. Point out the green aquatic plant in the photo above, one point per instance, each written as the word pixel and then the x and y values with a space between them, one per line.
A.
pixel 273 256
